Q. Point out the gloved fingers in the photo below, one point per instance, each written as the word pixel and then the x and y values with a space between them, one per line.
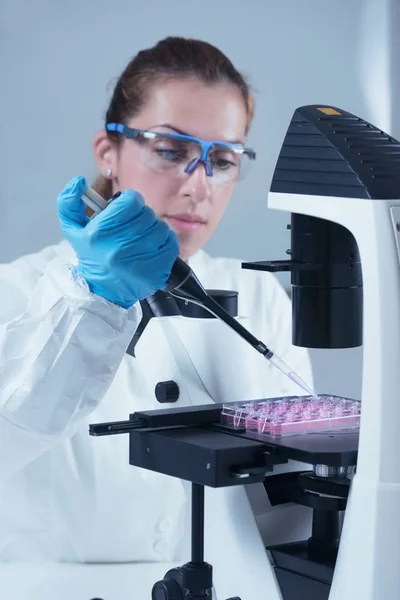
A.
pixel 129 213
pixel 127 207
pixel 165 244
pixel 70 206
pixel 150 263
pixel 171 240
pixel 165 238
pixel 154 238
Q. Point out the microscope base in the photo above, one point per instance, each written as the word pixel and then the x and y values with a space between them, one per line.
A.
pixel 367 564
pixel 298 576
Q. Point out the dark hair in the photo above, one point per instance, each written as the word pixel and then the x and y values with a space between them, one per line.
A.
pixel 173 57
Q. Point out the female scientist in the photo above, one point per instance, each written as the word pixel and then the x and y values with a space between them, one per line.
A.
pixel 68 313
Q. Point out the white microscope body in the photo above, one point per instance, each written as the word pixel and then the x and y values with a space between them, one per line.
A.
pixel 367 566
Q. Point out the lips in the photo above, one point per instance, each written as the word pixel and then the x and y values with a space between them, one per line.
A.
pixel 185 222
pixel 188 218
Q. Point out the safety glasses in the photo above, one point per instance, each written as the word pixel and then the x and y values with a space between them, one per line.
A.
pixel 177 154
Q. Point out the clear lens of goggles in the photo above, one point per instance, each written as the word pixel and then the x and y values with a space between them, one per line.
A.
pixel 176 157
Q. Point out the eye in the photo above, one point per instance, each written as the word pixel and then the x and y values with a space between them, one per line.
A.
pixel 222 164
pixel 170 154
pixel 224 160
pixel 170 150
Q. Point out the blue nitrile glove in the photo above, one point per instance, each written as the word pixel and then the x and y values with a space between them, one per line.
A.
pixel 125 253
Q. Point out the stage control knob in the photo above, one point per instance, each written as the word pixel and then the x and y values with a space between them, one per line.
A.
pixel 167 391
pixel 167 590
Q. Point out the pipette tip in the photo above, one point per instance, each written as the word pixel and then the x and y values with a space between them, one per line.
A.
pixel 296 379
pixel 282 366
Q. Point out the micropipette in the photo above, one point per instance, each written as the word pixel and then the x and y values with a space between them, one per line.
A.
pixel 184 284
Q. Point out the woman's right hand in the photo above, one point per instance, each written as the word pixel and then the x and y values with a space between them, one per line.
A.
pixel 125 253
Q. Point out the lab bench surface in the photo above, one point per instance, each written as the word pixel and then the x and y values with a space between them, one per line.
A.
pixel 55 581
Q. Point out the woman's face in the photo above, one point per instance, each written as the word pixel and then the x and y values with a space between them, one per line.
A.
pixel 191 203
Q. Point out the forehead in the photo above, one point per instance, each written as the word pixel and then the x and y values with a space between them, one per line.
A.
pixel 212 112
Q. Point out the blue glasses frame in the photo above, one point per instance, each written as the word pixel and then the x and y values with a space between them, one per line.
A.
pixel 133 133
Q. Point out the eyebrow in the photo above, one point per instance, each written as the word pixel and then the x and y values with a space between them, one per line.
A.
pixel 173 128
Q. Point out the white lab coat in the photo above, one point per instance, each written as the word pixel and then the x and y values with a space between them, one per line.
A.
pixel 67 496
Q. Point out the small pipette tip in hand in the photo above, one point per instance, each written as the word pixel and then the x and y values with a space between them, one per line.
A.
pixel 284 368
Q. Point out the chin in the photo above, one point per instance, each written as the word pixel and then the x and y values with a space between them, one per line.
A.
pixel 187 248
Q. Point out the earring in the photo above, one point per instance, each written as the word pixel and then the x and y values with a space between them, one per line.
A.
pixel 108 172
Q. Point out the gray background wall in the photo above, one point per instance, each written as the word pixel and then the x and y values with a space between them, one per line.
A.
pixel 58 61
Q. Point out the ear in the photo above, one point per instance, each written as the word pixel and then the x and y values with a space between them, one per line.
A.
pixel 105 153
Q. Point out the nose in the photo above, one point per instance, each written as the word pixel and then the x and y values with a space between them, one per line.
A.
pixel 196 184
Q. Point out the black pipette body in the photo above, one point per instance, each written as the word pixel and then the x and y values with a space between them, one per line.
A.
pixel 184 284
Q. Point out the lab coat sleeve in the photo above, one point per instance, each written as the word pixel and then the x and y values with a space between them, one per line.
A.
pixel 280 340
pixel 60 347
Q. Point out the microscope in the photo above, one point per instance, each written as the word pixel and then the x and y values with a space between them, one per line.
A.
pixel 339 177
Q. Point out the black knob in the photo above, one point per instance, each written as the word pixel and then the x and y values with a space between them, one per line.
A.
pixel 167 391
pixel 166 590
